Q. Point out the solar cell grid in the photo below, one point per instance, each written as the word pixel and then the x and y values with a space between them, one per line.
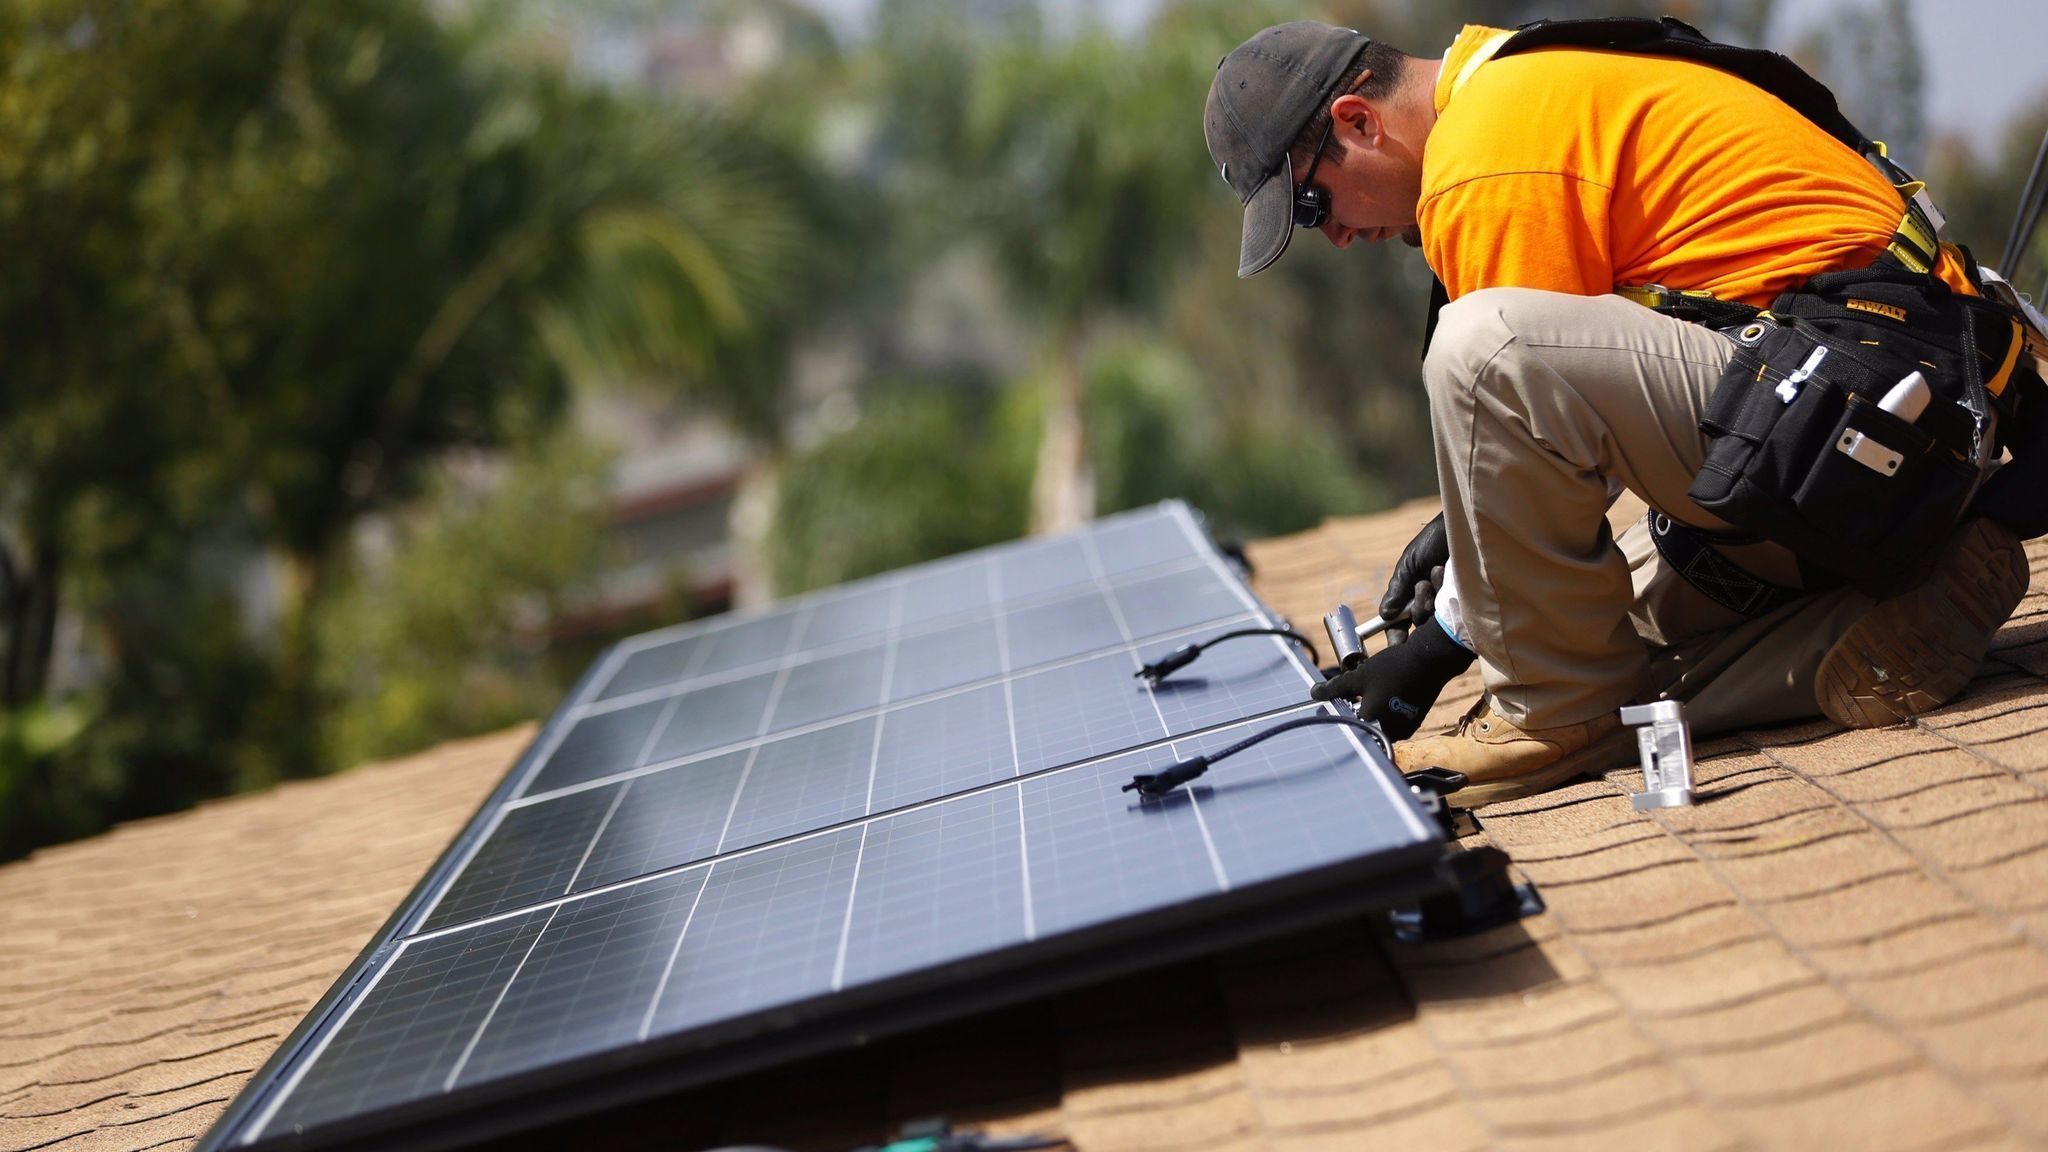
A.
pixel 859 615
pixel 1080 710
pixel 954 589
pixel 931 661
pixel 935 884
pixel 406 1034
pixel 786 784
pixel 677 815
pixel 1095 853
pixel 906 890
pixel 753 641
pixel 1175 600
pixel 531 855
pixel 1042 566
pixel 1241 678
pixel 1047 632
pixel 654 667
pixel 763 812
pixel 830 686
pixel 600 744
pixel 716 715
pixel 587 981
pixel 940 593
pixel 943 746
pixel 766 931
pixel 810 781
pixel 1142 542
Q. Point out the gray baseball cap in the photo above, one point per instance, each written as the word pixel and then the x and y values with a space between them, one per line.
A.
pixel 1263 95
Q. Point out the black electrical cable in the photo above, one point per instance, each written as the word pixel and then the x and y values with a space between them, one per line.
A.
pixel 2033 196
pixel 1185 655
pixel 1160 783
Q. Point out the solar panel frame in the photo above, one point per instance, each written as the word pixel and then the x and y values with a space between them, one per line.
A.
pixel 730 1047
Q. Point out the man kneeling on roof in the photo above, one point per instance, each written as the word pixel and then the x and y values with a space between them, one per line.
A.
pixel 1609 207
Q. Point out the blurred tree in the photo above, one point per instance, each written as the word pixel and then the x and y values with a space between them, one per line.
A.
pixel 255 259
pixel 1255 470
pixel 1087 165
pixel 264 263
pixel 921 474
pixel 252 253
pixel 1981 193
pixel 694 289
pixel 447 635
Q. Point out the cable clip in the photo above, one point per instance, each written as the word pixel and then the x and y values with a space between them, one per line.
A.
pixel 1185 655
pixel 1170 663
pixel 1160 783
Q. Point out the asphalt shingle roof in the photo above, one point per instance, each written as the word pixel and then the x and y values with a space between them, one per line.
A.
pixel 1845 944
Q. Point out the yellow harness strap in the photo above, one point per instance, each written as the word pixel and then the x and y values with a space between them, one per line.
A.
pixel 1480 56
pixel 1658 296
pixel 2002 377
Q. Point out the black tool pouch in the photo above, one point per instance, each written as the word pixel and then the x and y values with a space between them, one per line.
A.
pixel 1803 455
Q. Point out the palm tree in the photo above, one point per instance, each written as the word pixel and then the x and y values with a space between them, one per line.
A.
pixel 1089 174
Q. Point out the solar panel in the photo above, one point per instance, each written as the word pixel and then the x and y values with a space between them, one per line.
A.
pixel 763 835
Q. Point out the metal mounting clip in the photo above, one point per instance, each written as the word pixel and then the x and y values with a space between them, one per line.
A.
pixel 1665 744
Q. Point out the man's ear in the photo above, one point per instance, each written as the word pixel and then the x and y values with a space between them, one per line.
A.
pixel 1358 117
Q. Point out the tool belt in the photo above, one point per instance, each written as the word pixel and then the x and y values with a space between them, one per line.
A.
pixel 1803 454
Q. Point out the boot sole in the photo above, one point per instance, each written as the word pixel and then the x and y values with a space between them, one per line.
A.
pixel 1610 751
pixel 1912 653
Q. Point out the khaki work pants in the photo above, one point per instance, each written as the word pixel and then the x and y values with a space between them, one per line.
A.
pixel 1544 407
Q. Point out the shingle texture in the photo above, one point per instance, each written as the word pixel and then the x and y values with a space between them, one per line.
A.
pixel 1845 945
pixel 145 973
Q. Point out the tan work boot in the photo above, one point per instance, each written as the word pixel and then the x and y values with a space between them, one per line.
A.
pixel 1503 762
pixel 1915 651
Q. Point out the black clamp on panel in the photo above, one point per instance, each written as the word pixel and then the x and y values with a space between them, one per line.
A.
pixel 1432 788
pixel 1478 893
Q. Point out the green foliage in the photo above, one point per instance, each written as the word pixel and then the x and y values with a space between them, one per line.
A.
pixel 918 476
pixel 924 474
pixel 1084 155
pixel 265 265
pixel 281 230
pixel 703 252
pixel 444 633
pixel 1159 435
pixel 35 798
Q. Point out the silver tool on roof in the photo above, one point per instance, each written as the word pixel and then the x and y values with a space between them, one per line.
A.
pixel 1348 636
pixel 1665 744
pixel 1343 629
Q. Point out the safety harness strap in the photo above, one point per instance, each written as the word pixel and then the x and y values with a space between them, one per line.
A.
pixel 1689 553
pixel 1697 306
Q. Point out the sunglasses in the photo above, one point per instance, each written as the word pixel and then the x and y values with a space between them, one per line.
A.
pixel 1312 204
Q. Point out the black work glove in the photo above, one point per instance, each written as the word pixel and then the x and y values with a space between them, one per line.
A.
pixel 1396 685
pixel 1421 561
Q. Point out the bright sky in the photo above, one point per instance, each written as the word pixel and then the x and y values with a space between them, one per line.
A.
pixel 1985 58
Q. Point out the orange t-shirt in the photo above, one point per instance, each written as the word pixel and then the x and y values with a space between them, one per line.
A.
pixel 1580 171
